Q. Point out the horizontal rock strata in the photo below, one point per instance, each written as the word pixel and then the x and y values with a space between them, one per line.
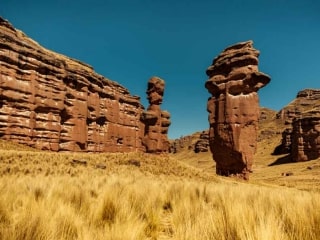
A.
pixel 306 136
pixel 156 121
pixel 52 102
pixel 234 80
pixel 299 112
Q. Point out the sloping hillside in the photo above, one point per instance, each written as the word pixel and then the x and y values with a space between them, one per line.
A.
pixel 268 168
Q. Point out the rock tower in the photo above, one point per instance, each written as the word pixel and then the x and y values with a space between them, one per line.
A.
pixel 234 80
pixel 156 121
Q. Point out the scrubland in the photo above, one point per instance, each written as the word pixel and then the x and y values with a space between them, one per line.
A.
pixel 47 195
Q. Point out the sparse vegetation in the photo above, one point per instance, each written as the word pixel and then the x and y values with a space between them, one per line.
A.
pixel 47 196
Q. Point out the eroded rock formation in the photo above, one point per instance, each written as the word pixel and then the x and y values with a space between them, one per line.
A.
pixel 302 106
pixel 53 102
pixel 302 118
pixel 234 80
pixel 156 121
pixel 306 136
pixel 202 145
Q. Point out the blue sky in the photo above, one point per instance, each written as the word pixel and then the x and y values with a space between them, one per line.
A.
pixel 130 41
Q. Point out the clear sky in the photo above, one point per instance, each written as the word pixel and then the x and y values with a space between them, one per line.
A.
pixel 130 41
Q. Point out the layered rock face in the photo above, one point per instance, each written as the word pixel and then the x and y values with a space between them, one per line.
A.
pixel 156 121
pixel 182 143
pixel 52 102
pixel 202 145
pixel 306 136
pixel 301 117
pixel 197 142
pixel 234 80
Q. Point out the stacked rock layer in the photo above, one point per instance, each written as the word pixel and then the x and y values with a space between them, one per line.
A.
pixel 299 117
pixel 301 138
pixel 306 136
pixel 234 80
pixel 156 121
pixel 52 102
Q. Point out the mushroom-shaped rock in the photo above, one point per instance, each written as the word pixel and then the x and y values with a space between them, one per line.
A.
pixel 233 108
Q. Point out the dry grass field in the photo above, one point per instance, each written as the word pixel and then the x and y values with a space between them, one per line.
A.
pixel 48 195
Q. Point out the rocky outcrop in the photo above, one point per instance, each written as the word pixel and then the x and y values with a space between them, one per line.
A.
pixel 49 101
pixel 202 145
pixel 182 143
pixel 306 136
pixel 305 100
pixel 196 142
pixel 301 107
pixel 234 80
pixel 156 121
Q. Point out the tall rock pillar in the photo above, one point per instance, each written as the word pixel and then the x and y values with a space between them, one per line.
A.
pixel 234 80
pixel 156 121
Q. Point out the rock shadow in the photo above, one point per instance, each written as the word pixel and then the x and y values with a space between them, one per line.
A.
pixel 282 160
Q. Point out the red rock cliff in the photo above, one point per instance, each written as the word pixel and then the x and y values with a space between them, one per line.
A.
pixel 301 138
pixel 306 136
pixel 301 107
pixel 53 102
pixel 234 80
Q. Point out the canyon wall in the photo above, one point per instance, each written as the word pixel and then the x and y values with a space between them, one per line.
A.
pixel 52 102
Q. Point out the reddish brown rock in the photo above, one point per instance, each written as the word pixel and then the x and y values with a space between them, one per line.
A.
pixel 306 101
pixel 156 121
pixel 306 136
pixel 49 101
pixel 234 80
pixel 182 143
pixel 202 145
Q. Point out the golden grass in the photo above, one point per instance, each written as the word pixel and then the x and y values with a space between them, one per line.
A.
pixel 141 207
pixel 47 195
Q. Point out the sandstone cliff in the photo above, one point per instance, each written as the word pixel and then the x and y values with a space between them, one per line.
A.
pixel 301 117
pixel 234 80
pixel 49 101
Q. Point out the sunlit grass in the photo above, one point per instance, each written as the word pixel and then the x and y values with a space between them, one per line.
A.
pixel 48 195
pixel 140 207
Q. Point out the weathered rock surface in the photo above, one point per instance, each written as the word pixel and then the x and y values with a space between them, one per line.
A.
pixel 196 142
pixel 49 101
pixel 305 100
pixel 303 106
pixel 182 143
pixel 202 145
pixel 306 136
pixel 234 80
pixel 156 121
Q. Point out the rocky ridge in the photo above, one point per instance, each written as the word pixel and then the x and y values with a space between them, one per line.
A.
pixel 53 102
pixel 196 142
pixel 301 117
